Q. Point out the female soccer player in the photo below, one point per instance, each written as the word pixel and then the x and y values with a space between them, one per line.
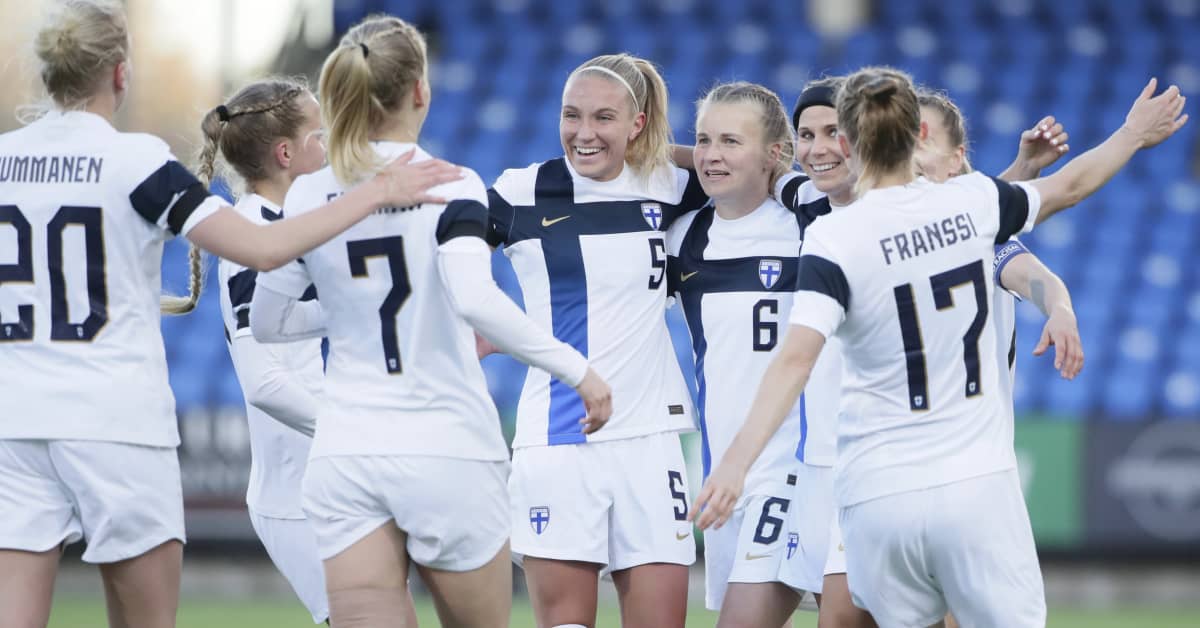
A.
pixel 585 235
pixel 732 266
pixel 88 435
pixel 409 462
pixel 926 481
pixel 269 132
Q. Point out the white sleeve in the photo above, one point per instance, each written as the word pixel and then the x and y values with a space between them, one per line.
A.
pixel 465 267
pixel 276 317
pixel 274 388
pixel 822 296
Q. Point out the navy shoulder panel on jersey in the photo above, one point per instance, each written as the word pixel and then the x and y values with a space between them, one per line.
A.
pixel 791 192
pixel 462 217
pixel 500 218
pixel 1014 209
pixel 817 274
pixel 153 196
pixel 241 291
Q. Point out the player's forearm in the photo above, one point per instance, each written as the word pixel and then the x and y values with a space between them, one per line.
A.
pixel 464 265
pixel 1086 173
pixel 271 386
pixel 1019 170
pixel 276 317
pixel 1027 277
pixel 778 392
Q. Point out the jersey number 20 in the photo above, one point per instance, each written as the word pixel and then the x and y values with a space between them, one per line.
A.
pixel 392 248
pixel 910 329
pixel 61 328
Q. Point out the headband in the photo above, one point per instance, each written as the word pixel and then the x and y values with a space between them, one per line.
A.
pixel 818 95
pixel 615 76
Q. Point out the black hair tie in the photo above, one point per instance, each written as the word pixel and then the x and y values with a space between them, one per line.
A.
pixel 223 113
pixel 366 51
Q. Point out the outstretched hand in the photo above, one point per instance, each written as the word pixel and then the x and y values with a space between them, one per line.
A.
pixel 408 183
pixel 1062 331
pixel 1155 118
pixel 1042 145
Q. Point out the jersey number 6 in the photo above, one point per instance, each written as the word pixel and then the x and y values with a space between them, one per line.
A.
pixel 91 220
pixel 910 329
pixel 391 247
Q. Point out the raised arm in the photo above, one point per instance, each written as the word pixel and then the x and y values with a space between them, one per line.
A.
pixel 266 247
pixel 1151 120
pixel 781 386
pixel 1029 278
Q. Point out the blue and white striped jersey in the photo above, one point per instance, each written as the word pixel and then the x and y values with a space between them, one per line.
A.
pixel 903 277
pixel 592 263
pixel 84 213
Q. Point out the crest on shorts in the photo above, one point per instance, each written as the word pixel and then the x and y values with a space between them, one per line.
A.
pixel 793 543
pixel 769 271
pixel 539 518
pixel 652 212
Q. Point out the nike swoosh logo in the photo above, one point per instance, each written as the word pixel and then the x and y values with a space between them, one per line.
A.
pixel 546 222
pixel 750 556
pixel 680 537
pixel 686 276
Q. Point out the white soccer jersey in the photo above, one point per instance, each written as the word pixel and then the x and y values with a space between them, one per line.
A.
pixel 592 262
pixel 402 376
pixel 84 212
pixel 903 277
pixel 818 404
pixel 278 453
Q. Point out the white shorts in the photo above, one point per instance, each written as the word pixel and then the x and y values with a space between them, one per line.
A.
pixel 454 511
pixel 751 547
pixel 966 547
pixel 292 546
pixel 812 531
pixel 619 503
pixel 123 499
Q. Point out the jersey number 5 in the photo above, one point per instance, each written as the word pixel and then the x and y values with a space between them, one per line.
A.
pixel 90 219
pixel 392 248
pixel 910 329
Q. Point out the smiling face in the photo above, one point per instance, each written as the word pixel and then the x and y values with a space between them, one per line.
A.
pixel 820 154
pixel 731 155
pixel 598 122
pixel 936 156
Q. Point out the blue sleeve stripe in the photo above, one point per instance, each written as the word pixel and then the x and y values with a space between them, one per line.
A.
pixel 817 274
pixel 1005 254
pixel 462 218
pixel 241 288
pixel 152 197
pixel 1014 209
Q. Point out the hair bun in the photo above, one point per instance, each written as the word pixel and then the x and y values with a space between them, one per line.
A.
pixel 880 90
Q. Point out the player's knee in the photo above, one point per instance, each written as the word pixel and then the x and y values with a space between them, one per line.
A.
pixel 366 606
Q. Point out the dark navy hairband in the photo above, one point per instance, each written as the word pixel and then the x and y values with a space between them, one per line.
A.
pixel 822 95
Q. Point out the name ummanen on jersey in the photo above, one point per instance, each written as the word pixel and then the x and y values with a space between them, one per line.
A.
pixel 591 259
pixel 273 491
pixel 402 376
pixel 903 277
pixel 84 213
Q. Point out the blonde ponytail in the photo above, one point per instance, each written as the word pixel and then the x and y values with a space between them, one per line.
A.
pixel 879 113
pixel 80 41
pixel 364 80
pixel 173 305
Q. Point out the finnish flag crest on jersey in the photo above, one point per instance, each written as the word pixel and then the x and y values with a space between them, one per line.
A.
pixel 653 214
pixel 769 271
pixel 539 518
pixel 793 544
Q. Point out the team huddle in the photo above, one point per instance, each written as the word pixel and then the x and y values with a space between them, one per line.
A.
pixel 852 324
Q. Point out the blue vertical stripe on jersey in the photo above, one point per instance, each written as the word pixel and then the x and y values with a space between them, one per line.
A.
pixel 803 430
pixel 708 277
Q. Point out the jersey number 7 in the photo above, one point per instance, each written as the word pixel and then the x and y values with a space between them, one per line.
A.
pixel 391 247
pixel 910 329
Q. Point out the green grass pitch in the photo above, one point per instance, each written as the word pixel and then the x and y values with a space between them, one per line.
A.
pixel 88 612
